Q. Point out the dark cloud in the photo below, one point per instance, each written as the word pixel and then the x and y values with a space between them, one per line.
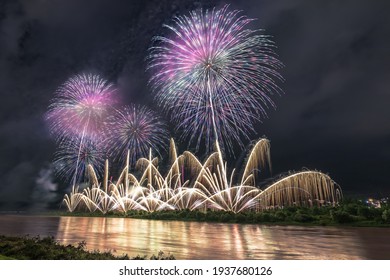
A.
pixel 44 194
pixel 333 115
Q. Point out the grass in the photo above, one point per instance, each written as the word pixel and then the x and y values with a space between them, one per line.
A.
pixel 2 257
pixel 46 248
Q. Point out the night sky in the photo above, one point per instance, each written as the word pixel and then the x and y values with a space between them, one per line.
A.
pixel 333 115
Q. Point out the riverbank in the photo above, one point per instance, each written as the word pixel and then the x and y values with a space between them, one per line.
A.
pixel 205 240
pixel 47 248
pixel 349 213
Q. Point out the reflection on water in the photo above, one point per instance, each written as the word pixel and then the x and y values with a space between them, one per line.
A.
pixel 193 240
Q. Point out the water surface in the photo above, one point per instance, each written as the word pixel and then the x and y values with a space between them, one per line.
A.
pixel 201 240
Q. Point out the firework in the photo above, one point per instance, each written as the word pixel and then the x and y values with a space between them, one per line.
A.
pixel 80 106
pixel 73 157
pixel 137 129
pixel 155 192
pixel 76 118
pixel 214 76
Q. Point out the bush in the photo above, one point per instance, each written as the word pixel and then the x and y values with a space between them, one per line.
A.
pixel 302 217
pixel 386 216
pixel 280 216
pixel 212 216
pixel 200 216
pixel 351 209
pixel 316 210
pixel 240 218
pixel 251 217
pixel 183 213
pixel 364 211
pixel 341 217
pixel 225 217
pixel 265 217
pixel 291 209
pixel 36 248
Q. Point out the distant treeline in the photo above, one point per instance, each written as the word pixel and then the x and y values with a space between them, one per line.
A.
pixel 352 212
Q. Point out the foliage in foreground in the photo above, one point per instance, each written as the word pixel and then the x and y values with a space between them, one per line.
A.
pixel 5 258
pixel 46 248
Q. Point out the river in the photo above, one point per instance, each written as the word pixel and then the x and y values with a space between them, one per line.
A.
pixel 201 240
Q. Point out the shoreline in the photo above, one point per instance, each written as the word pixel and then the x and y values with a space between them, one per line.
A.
pixel 350 213
pixel 268 218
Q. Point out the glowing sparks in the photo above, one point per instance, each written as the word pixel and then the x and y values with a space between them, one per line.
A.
pixel 135 129
pixel 155 192
pixel 73 157
pixel 76 118
pixel 80 106
pixel 214 76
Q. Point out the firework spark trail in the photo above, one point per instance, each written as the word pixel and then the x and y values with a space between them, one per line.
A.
pixel 78 155
pixel 80 106
pixel 155 192
pixel 73 157
pixel 136 129
pixel 78 110
pixel 214 76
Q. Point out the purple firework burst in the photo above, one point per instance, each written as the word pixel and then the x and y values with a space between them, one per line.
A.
pixel 214 75
pixel 80 106
pixel 137 129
